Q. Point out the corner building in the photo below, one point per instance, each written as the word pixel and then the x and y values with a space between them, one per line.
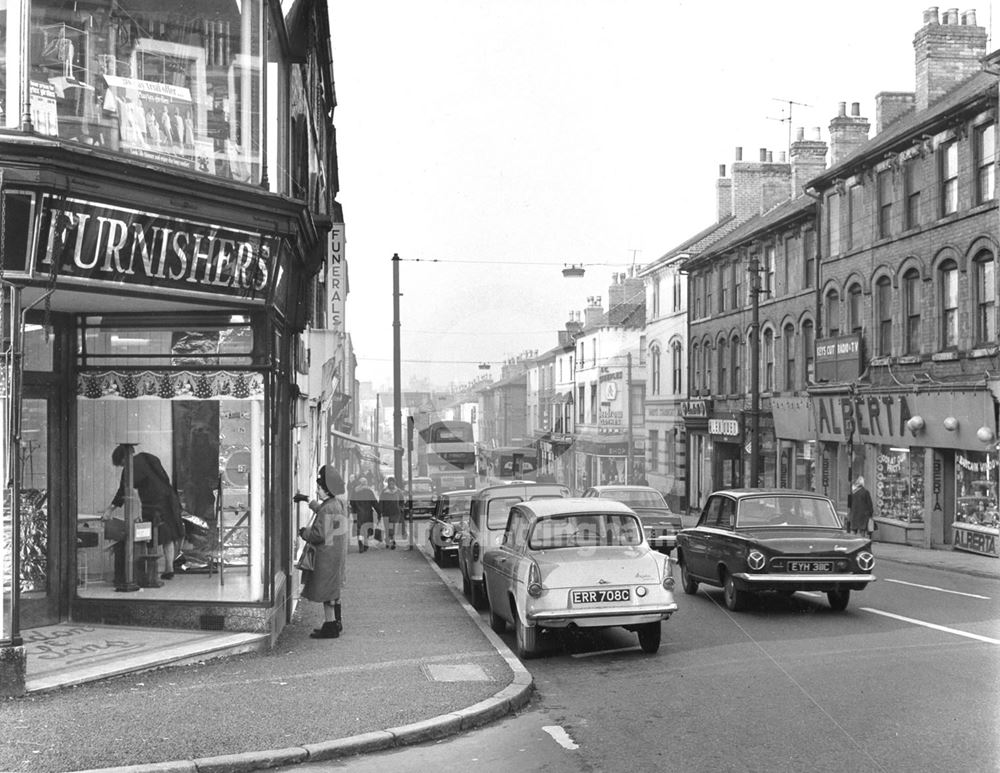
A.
pixel 167 184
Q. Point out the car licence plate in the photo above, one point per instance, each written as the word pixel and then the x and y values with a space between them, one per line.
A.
pixel 600 596
pixel 810 566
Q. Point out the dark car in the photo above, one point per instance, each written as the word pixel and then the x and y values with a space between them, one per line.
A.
pixel 423 500
pixel 751 540
pixel 660 524
pixel 449 519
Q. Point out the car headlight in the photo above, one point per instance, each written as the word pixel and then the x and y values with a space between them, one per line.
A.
pixel 447 532
pixel 865 561
pixel 756 560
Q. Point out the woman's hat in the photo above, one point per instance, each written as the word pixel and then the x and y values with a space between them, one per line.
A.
pixel 331 480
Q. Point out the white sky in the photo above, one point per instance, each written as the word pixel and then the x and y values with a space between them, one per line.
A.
pixel 506 138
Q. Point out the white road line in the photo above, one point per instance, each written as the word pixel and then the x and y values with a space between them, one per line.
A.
pixel 603 652
pixel 936 627
pixel 560 736
pixel 934 587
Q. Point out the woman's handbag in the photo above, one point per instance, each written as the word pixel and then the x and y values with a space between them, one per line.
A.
pixel 306 559
pixel 377 523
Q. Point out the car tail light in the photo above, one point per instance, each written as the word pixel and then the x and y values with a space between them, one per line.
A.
pixel 668 574
pixel 865 561
pixel 475 551
pixel 534 581
pixel 756 560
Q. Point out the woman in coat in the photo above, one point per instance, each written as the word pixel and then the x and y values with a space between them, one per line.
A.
pixel 328 533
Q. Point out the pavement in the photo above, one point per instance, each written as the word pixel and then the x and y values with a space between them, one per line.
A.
pixel 415 663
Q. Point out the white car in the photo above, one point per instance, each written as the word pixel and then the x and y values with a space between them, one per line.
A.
pixel 577 562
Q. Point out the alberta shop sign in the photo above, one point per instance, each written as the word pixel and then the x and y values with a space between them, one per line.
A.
pixel 92 243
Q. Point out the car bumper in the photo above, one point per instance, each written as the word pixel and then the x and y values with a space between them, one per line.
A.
pixel 600 618
pixel 802 581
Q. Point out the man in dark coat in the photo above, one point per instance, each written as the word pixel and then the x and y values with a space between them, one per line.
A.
pixel 859 508
pixel 365 506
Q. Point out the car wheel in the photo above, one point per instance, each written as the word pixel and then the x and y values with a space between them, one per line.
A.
pixel 838 599
pixel 689 584
pixel 736 599
pixel 527 638
pixel 649 637
pixel 477 596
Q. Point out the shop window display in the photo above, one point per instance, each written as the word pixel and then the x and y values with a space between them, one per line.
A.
pixel 177 83
pixel 181 396
pixel 899 484
pixel 977 509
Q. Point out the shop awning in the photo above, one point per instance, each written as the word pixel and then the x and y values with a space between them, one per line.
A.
pixel 361 441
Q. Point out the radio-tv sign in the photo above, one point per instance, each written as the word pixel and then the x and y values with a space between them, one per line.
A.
pixel 838 359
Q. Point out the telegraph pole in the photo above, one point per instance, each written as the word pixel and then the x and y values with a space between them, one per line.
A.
pixel 754 372
pixel 397 395
pixel 629 473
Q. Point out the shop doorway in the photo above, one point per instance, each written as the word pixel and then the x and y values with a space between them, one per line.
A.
pixel 43 556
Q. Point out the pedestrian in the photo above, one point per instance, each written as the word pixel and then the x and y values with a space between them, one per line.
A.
pixel 860 511
pixel 365 507
pixel 391 505
pixel 328 533
pixel 160 504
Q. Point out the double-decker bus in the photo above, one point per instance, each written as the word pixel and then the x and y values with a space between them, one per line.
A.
pixel 448 453
pixel 513 462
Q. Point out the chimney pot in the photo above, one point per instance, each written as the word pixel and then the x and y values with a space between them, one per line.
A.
pixel 800 134
pixel 855 108
pixel 782 158
pixel 739 153
pixel 817 133
pixel 931 15
pixel 841 108
pixel 770 157
pixel 952 16
pixel 969 18
pixel 722 170
pixel 763 154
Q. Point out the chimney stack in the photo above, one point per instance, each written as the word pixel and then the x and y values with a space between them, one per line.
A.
pixel 759 185
pixel 593 314
pixel 808 159
pixel 890 106
pixel 947 52
pixel 723 195
pixel 847 132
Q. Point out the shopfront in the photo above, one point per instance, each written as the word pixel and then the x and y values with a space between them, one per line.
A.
pixel 698 452
pixel 725 429
pixel 929 459
pixel 795 435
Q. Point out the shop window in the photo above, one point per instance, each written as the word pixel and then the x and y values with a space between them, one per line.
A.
pixel 986 299
pixel 211 446
pixel 976 489
pixel 176 85
pixel 899 487
pixel 112 341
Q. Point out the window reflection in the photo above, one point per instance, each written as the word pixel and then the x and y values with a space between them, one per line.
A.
pixel 177 83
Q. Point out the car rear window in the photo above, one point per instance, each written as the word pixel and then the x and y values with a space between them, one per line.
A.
pixel 423 487
pixel 786 511
pixel 497 511
pixel 638 498
pixel 586 530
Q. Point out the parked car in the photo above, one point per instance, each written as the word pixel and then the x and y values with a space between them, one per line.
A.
pixel 660 523
pixel 581 562
pixel 751 540
pixel 423 500
pixel 449 520
pixel 487 521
